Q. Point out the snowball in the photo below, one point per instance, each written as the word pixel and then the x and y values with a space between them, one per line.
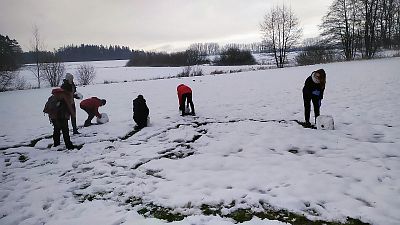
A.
pixel 103 119
pixel 325 123
pixel 187 110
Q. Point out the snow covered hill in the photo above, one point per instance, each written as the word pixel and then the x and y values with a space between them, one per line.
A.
pixel 241 158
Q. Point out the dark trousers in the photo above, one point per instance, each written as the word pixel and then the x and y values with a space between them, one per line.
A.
pixel 61 125
pixel 73 119
pixel 91 115
pixel 188 97
pixel 307 106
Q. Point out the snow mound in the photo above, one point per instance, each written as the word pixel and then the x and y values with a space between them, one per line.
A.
pixel 325 122
pixel 103 119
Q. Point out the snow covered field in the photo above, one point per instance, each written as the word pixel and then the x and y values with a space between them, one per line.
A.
pixel 115 71
pixel 242 151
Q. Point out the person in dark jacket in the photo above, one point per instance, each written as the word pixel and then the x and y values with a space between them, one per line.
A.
pixel 140 112
pixel 60 119
pixel 91 107
pixel 68 85
pixel 185 93
pixel 313 91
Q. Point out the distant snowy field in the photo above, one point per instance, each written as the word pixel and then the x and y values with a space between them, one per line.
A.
pixel 115 71
pixel 241 148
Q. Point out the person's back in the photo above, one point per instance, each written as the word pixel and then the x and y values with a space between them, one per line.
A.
pixel 185 93
pixel 64 110
pixel 61 117
pixel 91 107
pixel 140 111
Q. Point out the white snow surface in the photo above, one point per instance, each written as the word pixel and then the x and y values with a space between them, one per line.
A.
pixel 242 146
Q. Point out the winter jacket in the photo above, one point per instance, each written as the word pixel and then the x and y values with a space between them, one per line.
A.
pixel 92 104
pixel 70 88
pixel 182 89
pixel 140 109
pixel 311 88
pixel 65 109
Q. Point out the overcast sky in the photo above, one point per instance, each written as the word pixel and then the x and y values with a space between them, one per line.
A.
pixel 168 25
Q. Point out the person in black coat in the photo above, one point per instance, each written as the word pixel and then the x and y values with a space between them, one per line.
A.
pixel 69 85
pixel 313 91
pixel 140 112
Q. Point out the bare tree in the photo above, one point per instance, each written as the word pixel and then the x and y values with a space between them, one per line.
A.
pixel 281 28
pixel 342 25
pixel 370 13
pixel 52 71
pixel 37 48
pixel 86 74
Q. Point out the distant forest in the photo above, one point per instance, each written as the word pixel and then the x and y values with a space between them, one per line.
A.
pixel 79 53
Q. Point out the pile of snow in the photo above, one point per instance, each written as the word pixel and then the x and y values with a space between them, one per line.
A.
pixel 103 119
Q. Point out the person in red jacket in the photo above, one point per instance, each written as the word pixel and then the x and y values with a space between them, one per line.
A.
pixel 185 93
pixel 91 107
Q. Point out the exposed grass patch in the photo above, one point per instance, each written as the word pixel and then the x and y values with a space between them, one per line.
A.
pixel 168 214
pixel 238 215
pixel 23 158
pixel 90 197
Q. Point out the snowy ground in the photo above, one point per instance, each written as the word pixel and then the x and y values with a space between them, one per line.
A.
pixel 242 151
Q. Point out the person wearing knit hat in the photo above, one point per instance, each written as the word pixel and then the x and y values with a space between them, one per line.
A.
pixel 69 86
pixel 313 91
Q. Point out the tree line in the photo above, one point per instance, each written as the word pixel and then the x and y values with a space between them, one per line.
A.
pixel 362 26
pixel 207 49
pixel 358 28
pixel 81 53
pixel 190 57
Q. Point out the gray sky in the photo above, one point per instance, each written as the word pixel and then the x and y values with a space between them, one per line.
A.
pixel 168 25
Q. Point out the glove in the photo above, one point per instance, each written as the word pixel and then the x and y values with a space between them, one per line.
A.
pixel 315 92
pixel 78 95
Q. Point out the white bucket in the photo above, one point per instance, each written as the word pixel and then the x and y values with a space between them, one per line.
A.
pixel 325 123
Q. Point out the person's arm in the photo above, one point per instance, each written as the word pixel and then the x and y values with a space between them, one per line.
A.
pixel 69 105
pixel 97 104
pixel 180 99
pixel 322 93
pixel 97 112
pixel 307 86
